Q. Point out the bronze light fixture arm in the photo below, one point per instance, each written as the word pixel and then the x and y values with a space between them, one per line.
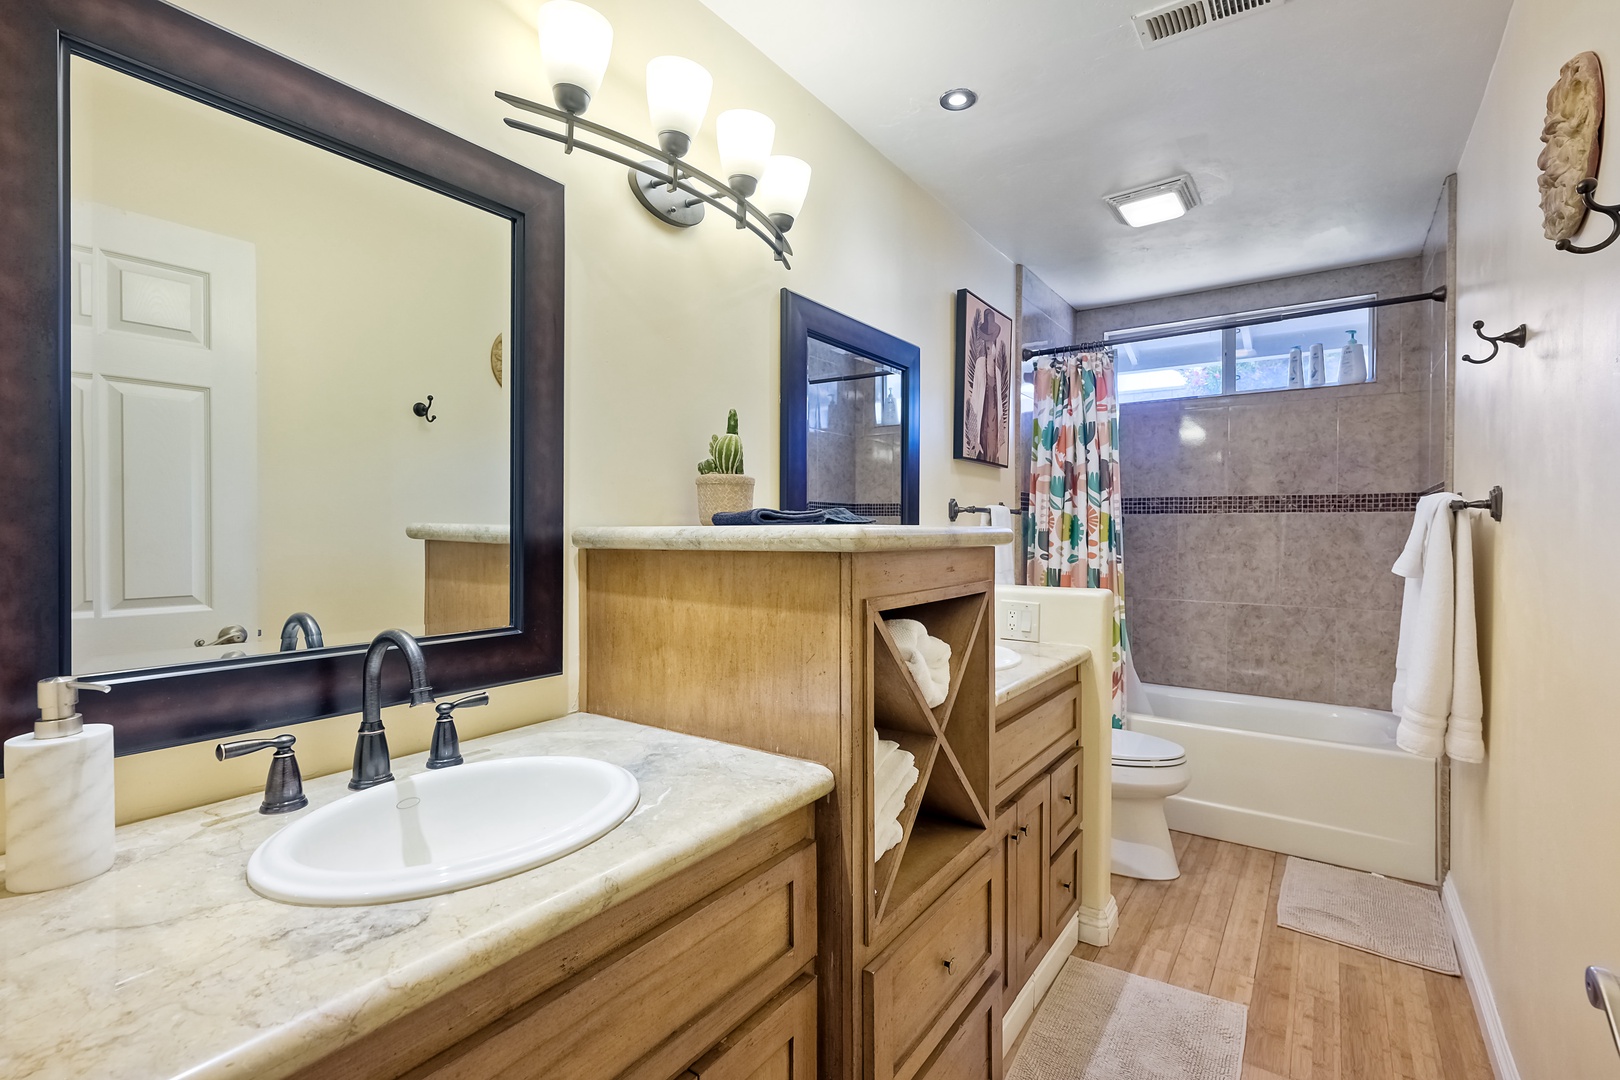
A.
pixel 676 173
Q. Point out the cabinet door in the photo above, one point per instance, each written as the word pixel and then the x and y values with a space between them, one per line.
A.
pixel 1065 799
pixel 973 1049
pixel 1028 875
pixel 776 1043
pixel 1064 885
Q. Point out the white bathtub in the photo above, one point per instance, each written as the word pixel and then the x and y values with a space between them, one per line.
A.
pixel 1323 782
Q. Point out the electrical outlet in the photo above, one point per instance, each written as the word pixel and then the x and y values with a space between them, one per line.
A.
pixel 1020 621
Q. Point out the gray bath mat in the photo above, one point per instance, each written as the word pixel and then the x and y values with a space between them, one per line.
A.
pixel 1101 1024
pixel 1364 911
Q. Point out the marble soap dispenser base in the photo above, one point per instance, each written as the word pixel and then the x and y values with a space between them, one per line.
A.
pixel 59 809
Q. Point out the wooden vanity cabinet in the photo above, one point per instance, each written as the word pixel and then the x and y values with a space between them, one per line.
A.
pixel 1039 819
pixel 709 974
pixel 789 651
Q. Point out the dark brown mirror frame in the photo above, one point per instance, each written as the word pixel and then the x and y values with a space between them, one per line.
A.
pixel 161 707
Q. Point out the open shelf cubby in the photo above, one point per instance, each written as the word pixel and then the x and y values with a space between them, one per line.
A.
pixel 949 807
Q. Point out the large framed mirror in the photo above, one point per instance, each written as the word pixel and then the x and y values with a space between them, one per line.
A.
pixel 851 400
pixel 283 367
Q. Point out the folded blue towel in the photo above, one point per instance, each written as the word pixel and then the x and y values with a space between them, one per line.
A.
pixel 832 515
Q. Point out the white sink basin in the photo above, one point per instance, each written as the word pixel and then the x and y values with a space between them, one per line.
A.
pixel 442 831
pixel 1006 658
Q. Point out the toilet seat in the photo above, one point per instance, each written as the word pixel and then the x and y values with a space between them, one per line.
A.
pixel 1138 750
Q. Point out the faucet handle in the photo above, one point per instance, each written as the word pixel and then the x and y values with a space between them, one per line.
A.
pixel 471 701
pixel 446 750
pixel 284 787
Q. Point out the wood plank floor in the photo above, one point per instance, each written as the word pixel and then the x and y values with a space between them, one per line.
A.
pixel 1317 1011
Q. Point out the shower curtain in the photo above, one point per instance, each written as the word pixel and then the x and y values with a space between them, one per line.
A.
pixel 1072 529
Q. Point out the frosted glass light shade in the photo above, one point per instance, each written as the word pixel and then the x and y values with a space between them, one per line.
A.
pixel 575 41
pixel 677 99
pixel 782 190
pixel 745 147
pixel 1166 206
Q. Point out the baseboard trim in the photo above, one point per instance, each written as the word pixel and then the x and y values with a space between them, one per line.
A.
pixel 1040 981
pixel 1479 985
pixel 1098 927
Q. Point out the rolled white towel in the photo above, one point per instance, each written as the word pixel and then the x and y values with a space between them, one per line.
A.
pixel 893 800
pixel 882 751
pixel 909 635
pixel 886 834
pixel 891 777
pixel 937 654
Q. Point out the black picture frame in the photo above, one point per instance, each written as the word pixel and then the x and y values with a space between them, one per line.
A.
pixel 804 319
pixel 159 707
pixel 969 445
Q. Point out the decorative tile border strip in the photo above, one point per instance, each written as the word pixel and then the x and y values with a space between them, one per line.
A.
pixel 869 509
pixel 1384 502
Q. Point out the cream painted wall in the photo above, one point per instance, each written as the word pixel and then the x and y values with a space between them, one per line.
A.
pixel 665 330
pixel 372 293
pixel 1534 856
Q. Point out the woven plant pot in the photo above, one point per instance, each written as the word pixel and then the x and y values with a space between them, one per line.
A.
pixel 722 493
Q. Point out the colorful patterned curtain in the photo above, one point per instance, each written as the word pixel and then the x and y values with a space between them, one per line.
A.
pixel 1072 530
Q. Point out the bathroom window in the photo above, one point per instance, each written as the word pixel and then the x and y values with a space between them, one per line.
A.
pixel 1189 362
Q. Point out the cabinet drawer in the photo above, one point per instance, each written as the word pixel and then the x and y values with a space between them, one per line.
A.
pixel 1065 885
pixel 776 1043
pixel 1065 798
pixel 1027 744
pixel 659 1002
pixel 972 1050
pixel 911 989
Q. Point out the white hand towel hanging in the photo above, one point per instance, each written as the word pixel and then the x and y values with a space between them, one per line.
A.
pixel 1437 661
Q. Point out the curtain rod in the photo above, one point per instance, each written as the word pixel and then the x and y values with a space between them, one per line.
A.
pixel 1438 296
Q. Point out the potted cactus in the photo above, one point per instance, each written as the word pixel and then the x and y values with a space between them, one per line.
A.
pixel 721 486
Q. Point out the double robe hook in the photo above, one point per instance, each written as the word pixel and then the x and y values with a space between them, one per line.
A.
pixel 1516 337
pixel 1587 188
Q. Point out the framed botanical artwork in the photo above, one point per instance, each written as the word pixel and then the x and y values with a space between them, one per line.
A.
pixel 985 378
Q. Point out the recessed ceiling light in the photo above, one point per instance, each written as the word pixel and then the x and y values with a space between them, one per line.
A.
pixel 1149 205
pixel 958 99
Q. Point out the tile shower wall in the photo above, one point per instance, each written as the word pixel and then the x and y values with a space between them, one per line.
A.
pixel 1260 530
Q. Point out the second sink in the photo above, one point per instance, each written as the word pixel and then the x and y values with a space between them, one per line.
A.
pixel 443 831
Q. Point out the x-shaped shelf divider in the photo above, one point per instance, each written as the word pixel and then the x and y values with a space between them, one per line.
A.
pixel 902 714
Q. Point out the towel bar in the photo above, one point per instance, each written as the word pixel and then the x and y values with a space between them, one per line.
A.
pixel 956 509
pixel 1493 503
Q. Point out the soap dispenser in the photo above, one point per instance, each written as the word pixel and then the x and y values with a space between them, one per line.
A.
pixel 59 794
pixel 1353 362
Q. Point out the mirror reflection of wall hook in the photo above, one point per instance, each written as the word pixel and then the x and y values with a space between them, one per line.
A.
pixel 421 408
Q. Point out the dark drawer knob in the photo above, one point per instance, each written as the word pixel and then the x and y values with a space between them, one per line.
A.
pixel 1067 885
pixel 949 963
pixel 1068 798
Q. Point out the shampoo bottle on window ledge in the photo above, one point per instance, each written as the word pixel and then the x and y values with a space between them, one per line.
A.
pixel 1316 375
pixel 1296 368
pixel 1353 362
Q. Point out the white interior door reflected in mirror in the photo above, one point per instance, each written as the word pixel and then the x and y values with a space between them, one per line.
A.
pixel 165 476
pixel 253 319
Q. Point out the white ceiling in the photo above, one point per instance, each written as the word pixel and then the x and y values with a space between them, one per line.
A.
pixel 1318 131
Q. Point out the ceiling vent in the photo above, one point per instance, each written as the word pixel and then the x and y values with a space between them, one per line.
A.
pixel 1156 27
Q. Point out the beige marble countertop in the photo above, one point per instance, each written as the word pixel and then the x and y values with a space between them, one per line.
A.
pixel 169 965
pixel 786 537
pixel 461 534
pixel 1041 661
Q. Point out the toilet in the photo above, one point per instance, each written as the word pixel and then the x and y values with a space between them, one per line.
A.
pixel 1147 770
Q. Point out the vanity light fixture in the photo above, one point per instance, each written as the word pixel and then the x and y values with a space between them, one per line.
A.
pixel 1155 203
pixel 958 99
pixel 575 41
